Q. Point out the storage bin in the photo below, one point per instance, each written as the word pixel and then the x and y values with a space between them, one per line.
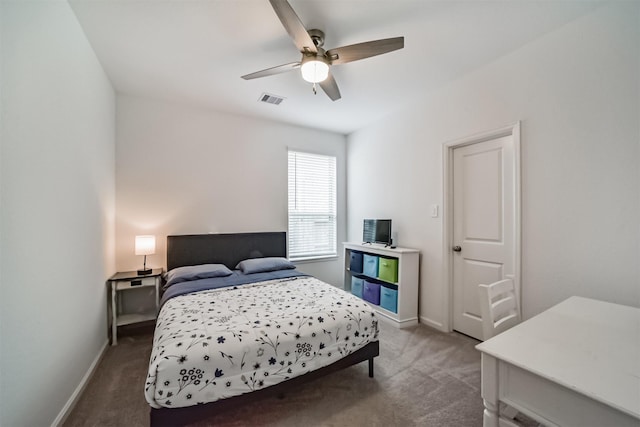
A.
pixel 389 298
pixel 370 265
pixel 356 286
pixel 388 269
pixel 371 292
pixel 355 262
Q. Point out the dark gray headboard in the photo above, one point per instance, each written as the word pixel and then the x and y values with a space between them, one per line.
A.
pixel 227 249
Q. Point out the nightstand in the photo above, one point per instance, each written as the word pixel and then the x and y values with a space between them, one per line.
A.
pixel 122 283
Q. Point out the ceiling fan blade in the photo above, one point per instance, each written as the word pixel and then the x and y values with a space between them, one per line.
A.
pixel 330 87
pixel 293 25
pixel 354 52
pixel 271 71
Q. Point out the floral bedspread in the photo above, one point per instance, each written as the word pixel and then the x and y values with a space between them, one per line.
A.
pixel 219 343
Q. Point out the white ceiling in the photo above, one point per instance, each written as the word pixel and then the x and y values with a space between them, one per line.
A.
pixel 194 52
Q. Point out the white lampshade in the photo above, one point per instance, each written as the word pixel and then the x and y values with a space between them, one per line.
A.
pixel 314 70
pixel 145 245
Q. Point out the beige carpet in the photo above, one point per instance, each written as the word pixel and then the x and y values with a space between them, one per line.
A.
pixel 422 378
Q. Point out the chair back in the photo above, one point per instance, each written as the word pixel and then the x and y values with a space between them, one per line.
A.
pixel 499 307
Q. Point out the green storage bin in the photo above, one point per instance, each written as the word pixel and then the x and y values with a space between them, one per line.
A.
pixel 388 269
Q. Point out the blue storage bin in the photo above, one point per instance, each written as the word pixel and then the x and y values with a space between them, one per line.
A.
pixel 370 265
pixel 389 298
pixel 355 262
pixel 357 285
pixel 371 292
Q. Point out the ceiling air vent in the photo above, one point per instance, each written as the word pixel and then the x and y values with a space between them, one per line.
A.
pixel 271 99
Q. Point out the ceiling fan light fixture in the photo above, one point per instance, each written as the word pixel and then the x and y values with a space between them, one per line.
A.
pixel 315 61
pixel 314 69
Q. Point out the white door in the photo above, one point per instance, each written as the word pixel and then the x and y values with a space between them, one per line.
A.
pixel 484 236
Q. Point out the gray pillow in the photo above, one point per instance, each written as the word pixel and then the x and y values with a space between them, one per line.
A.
pixel 259 265
pixel 195 272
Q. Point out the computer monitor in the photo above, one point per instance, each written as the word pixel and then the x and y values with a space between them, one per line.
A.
pixel 377 231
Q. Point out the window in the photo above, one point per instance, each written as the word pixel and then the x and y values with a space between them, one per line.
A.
pixel 312 206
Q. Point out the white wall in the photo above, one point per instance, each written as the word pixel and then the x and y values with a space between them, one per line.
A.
pixel 57 221
pixel 577 93
pixel 182 170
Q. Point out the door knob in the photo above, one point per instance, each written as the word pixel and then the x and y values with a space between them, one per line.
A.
pixel 457 249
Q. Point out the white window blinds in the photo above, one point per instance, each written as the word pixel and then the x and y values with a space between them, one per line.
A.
pixel 312 205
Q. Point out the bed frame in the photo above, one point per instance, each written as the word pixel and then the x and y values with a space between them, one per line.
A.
pixel 229 249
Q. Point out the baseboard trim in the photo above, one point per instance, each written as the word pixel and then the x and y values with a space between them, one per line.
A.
pixel 71 403
pixel 397 323
pixel 436 325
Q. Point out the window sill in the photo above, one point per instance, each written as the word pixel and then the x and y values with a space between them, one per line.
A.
pixel 314 259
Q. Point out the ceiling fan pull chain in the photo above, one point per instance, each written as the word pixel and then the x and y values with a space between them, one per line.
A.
pixel 315 92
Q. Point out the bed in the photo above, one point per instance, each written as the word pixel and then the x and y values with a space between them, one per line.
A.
pixel 225 337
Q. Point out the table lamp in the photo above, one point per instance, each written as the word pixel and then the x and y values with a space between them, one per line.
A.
pixel 145 245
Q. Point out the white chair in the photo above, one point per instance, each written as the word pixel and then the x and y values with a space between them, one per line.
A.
pixel 500 311
pixel 499 307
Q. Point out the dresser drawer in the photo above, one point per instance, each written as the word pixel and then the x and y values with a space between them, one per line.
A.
pixel 135 283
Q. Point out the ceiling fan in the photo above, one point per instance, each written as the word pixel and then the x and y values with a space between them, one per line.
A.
pixel 315 61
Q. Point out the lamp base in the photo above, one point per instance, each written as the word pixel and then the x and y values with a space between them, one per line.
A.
pixel 143 272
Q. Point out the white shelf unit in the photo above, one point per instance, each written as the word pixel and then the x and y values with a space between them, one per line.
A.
pixel 408 279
